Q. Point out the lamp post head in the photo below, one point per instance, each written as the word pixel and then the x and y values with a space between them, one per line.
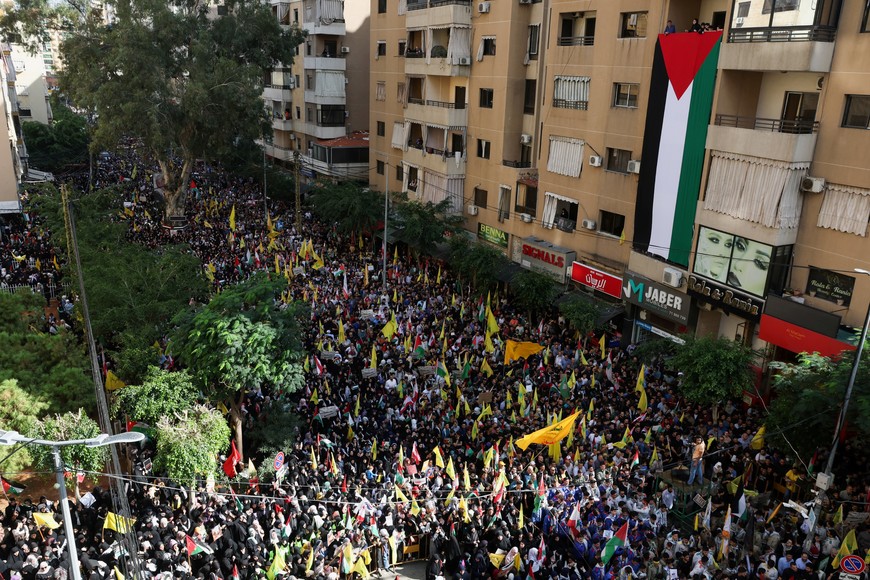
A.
pixel 103 439
pixel 8 438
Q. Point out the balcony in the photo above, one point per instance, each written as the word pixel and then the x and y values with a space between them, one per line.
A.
pixel 276 152
pixel 779 139
pixel 436 160
pixel 325 63
pixel 313 97
pixel 417 65
pixel 785 48
pixel 437 112
pixel 438 13
pixel 576 105
pixel 281 124
pixel 278 93
pixel 576 41
pixel 517 164
pixel 325 131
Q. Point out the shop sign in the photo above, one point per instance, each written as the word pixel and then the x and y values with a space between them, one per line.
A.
pixel 831 286
pixel 596 279
pixel 492 235
pixel 725 298
pixel 541 256
pixel 656 298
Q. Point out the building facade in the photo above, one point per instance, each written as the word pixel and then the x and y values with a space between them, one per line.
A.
pixel 323 96
pixel 13 155
pixel 712 181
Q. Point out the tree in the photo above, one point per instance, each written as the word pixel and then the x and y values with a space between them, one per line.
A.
pixel 161 394
pixel 809 393
pixel 51 368
pixel 654 349
pixel 425 224
pixel 186 84
pixel 72 425
pixel 533 292
pixel 243 339
pixel 274 429
pixel 352 207
pixel 59 145
pixel 713 369
pixel 188 443
pixel 476 262
pixel 582 314
pixel 19 411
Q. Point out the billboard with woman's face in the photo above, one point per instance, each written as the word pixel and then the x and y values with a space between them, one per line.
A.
pixel 735 261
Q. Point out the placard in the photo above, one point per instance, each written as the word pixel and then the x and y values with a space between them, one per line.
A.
pixel 831 286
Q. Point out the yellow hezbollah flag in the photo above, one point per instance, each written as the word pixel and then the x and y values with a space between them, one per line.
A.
pixel 118 523
pixel 374 363
pixel 758 439
pixel 233 218
pixel 518 350
pixel 113 383
pixel 602 343
pixel 46 520
pixel 642 403
pixel 849 545
pixel 549 435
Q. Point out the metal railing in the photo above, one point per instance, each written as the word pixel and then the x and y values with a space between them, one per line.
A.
pixel 416 101
pixel 809 33
pixel 576 41
pixel 414 54
pixel 563 104
pixel 432 103
pixel 48 290
pixel 435 3
pixel 797 127
pixel 516 164
pixel 282 87
pixel 566 224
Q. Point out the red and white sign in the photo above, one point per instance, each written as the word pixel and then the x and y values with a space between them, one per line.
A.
pixel 597 279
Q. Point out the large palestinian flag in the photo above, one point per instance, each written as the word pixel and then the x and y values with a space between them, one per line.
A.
pixel 680 100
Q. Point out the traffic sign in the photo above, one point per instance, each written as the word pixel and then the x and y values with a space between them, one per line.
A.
pixel 852 565
pixel 279 461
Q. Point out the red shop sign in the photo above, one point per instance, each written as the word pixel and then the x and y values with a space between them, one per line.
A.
pixel 597 279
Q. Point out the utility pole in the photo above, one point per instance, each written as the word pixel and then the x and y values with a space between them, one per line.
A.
pixel 386 217
pixel 298 192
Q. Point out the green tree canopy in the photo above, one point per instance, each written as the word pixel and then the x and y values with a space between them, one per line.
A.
pixel 51 368
pixel 19 411
pixel 713 368
pixel 476 262
pixel 581 313
pixel 352 207
pixel 188 443
pixel 59 145
pixel 187 83
pixel 71 425
pixel 244 338
pixel 425 224
pixel 809 393
pixel 161 394
pixel 533 292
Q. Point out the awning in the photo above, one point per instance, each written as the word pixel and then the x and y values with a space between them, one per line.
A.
pixel 508 272
pixel 797 339
pixel 609 310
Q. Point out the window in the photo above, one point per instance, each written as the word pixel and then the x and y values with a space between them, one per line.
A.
pixel 483 149
pixel 527 200
pixel 865 22
pixel 486 98
pixel 298 112
pixel 382 129
pixel 857 114
pixel 296 78
pixel 400 92
pixel 617 160
pixel 400 172
pixel 625 95
pixel 402 45
pixel 382 6
pixel 380 167
pixel 571 92
pixel 381 92
pixel 489 46
pixel 296 15
pixel 534 36
pixel 743 9
pixel 504 197
pixel 529 97
pixel 480 197
pixel 633 25
pixel 382 48
pixel 611 223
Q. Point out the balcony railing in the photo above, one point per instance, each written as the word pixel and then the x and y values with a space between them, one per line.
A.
pixel 330 123
pixel 416 101
pixel 566 224
pixel 576 40
pixel 564 104
pixel 516 164
pixel 434 3
pixel 414 53
pixel 783 34
pixel 431 103
pixel 796 127
pixel 282 87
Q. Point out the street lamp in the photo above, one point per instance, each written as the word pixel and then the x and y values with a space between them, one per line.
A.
pixel 841 420
pixel 13 437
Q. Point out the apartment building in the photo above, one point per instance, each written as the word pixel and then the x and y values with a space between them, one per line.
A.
pixel 13 155
pixel 31 82
pixel 715 182
pixel 320 104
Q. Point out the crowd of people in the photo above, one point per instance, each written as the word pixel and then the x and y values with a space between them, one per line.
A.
pixel 410 418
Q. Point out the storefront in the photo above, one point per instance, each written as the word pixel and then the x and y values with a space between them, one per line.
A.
pixel 597 280
pixel 659 310
pixel 541 256
pixel 492 235
pixel 796 328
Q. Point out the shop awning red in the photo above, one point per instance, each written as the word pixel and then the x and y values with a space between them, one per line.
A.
pixel 797 339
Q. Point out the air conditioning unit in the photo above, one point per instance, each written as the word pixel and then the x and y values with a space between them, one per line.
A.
pixel 526 218
pixel 633 166
pixel 595 160
pixel 672 277
pixel 465 60
pixel 525 139
pixel 589 224
pixel 345 50
pixel 813 184
pixel 738 21
pixel 525 1
pixel 483 7
pixel 291 82
pixel 472 209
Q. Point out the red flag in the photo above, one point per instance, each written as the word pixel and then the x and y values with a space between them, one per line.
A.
pixel 415 455
pixel 235 575
pixel 344 485
pixel 318 366
pixel 232 460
